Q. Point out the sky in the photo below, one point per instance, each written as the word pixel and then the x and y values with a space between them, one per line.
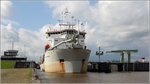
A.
pixel 113 25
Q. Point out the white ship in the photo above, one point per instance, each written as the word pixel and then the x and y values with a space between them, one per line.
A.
pixel 66 51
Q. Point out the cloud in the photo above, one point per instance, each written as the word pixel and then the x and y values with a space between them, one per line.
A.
pixel 29 43
pixel 6 21
pixel 73 6
pixel 116 24
pixel 5 8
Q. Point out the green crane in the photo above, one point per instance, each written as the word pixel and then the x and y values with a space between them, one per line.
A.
pixel 122 52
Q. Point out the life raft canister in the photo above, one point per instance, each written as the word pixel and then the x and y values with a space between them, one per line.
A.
pixel 47 46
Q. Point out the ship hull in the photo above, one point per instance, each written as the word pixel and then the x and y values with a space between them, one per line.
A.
pixel 66 60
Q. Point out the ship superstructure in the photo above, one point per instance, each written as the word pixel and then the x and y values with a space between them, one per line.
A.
pixel 65 50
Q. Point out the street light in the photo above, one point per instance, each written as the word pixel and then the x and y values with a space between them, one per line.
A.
pixel 99 53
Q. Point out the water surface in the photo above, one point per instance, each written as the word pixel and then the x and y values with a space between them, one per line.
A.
pixel 114 77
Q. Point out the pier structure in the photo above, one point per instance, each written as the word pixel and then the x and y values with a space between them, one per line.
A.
pixel 13 56
pixel 20 61
pixel 108 67
pixel 118 66
pixel 122 52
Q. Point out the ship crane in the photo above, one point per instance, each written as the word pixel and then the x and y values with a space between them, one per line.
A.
pixel 122 52
pixel 73 39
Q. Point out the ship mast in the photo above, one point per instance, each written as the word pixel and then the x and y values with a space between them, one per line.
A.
pixel 65 20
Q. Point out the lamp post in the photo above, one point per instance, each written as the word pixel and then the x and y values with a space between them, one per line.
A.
pixel 99 53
